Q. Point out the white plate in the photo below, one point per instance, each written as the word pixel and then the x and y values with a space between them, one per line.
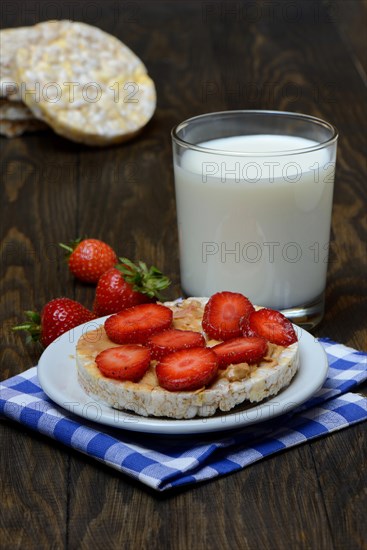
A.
pixel 57 374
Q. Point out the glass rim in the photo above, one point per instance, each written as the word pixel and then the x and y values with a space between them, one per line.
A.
pixel 309 118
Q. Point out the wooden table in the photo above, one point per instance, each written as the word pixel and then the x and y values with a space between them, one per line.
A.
pixel 305 56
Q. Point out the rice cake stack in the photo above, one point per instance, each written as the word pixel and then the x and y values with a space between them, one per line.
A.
pixel 15 117
pixel 84 83
pixel 10 42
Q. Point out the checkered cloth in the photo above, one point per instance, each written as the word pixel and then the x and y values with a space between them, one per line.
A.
pixel 166 462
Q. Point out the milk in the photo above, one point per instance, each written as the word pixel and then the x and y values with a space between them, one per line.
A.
pixel 257 224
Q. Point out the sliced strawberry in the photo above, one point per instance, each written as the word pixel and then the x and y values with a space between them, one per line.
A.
pixel 187 370
pixel 272 325
pixel 222 314
pixel 240 350
pixel 172 340
pixel 246 330
pixel 128 362
pixel 136 324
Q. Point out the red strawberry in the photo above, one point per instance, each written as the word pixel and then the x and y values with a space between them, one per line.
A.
pixel 187 370
pixel 172 340
pixel 113 294
pixel 136 324
pixel 272 325
pixel 222 314
pixel 128 285
pixel 89 259
pixel 246 330
pixel 240 350
pixel 128 362
pixel 57 316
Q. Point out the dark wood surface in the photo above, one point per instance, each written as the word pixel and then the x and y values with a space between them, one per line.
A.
pixel 306 56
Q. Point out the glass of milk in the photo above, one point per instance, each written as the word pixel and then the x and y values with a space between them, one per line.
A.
pixel 254 196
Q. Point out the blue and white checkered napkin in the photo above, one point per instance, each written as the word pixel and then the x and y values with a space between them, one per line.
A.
pixel 166 462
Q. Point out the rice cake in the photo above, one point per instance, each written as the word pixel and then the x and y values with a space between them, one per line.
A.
pixel 10 41
pixel 16 119
pixel 90 87
pixel 15 128
pixel 234 385
pixel 14 110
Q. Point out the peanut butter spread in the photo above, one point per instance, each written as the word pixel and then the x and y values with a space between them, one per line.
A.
pixel 235 385
pixel 187 315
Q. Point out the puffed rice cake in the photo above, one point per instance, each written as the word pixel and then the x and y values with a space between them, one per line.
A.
pixel 90 87
pixel 235 385
pixel 14 110
pixel 15 128
pixel 15 117
pixel 10 42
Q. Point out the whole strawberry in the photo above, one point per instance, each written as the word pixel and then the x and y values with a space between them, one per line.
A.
pixel 128 285
pixel 57 316
pixel 88 259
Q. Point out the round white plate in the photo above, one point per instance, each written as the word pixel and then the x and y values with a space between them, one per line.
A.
pixel 57 374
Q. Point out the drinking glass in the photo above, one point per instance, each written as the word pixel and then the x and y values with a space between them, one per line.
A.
pixel 254 196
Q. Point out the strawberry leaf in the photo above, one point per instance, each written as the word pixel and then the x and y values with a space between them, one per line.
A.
pixel 32 325
pixel 70 247
pixel 149 281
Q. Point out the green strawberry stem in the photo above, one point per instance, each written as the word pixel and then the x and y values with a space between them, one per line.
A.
pixel 147 281
pixel 70 247
pixel 32 326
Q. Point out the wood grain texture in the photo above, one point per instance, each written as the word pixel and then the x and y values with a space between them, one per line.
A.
pixel 34 498
pixel 204 56
pixel 348 16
